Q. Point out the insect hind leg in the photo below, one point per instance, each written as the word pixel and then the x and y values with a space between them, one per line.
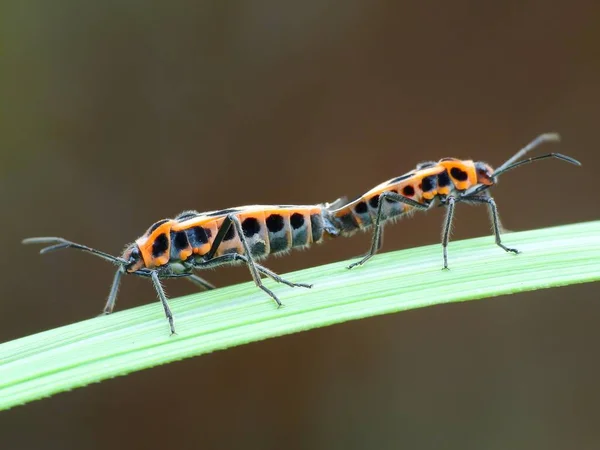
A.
pixel 269 273
pixel 200 282
pixel 255 269
pixel 376 242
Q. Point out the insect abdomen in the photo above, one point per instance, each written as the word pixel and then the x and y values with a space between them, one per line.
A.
pixel 266 229
pixel 361 213
pixel 280 229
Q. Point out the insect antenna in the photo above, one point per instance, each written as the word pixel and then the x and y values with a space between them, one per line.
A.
pixel 512 162
pixel 60 243
pixel 537 158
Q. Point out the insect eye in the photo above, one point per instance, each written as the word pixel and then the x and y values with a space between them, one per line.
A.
pixel 135 253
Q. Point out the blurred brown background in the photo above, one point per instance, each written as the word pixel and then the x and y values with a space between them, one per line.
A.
pixel 116 114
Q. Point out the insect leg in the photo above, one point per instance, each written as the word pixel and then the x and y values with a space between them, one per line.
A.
pixel 223 229
pixel 378 230
pixel 232 220
pixel 233 257
pixel 269 273
pixel 163 299
pixel 201 282
pixel 493 215
pixel 449 202
pixel 112 295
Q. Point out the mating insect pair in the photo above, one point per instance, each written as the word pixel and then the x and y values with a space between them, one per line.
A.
pixel 174 248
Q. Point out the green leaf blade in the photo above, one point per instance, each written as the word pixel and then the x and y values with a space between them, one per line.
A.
pixel 78 354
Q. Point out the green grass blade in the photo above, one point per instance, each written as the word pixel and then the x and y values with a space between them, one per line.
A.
pixel 75 355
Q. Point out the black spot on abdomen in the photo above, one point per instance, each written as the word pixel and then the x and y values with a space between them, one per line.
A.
pixel 408 191
pixel 250 226
pixel 374 201
pixel 274 223
pixel 361 208
pixel 297 221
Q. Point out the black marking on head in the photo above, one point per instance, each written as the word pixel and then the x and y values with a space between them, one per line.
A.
pixel 223 212
pixel 459 174
pixel 443 179
pixel 374 201
pixel 258 249
pixel 160 245
pixel 186 215
pixel 317 225
pixel 361 208
pixel 198 236
pixel 483 171
pixel 449 159
pixel 134 256
pixel 180 240
pixel 426 164
pixel 251 226
pixel 406 176
pixel 275 223
pixel 408 191
pixel 230 233
pixel 156 225
pixel 428 183
pixel 297 220
pixel 391 200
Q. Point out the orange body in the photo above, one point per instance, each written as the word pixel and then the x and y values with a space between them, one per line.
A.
pixel 427 182
pixel 267 228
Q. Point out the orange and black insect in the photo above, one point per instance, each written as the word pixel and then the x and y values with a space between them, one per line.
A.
pixel 449 181
pixel 174 248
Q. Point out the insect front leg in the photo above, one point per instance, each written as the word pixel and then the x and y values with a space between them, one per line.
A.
pixel 112 295
pixel 163 299
pixel 189 265
pixel 494 218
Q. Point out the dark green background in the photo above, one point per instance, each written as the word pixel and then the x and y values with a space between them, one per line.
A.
pixel 116 114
